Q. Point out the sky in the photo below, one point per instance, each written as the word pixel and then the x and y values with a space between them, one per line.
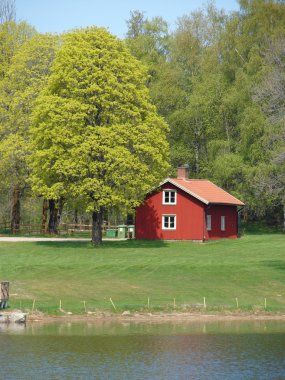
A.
pixel 57 16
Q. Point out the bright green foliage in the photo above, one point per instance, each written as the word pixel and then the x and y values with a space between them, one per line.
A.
pixel 182 94
pixel 23 81
pixel 13 153
pixel 252 131
pixel 229 171
pixel 148 41
pixel 12 36
pixel 96 135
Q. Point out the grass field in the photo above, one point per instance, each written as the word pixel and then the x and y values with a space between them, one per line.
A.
pixel 147 275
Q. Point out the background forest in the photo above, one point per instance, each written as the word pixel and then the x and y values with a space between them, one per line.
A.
pixel 218 80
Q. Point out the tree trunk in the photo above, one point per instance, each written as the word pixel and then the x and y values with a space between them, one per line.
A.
pixel 55 211
pixel 75 218
pixel 227 131
pixel 97 220
pixel 60 209
pixel 45 208
pixel 197 166
pixel 15 210
pixel 52 223
pixel 197 147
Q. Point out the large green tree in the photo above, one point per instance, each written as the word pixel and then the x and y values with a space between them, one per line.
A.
pixel 96 135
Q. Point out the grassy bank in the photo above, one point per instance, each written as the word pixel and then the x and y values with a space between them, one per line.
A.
pixel 142 276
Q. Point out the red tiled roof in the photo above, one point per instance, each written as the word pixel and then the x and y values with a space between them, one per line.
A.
pixel 205 191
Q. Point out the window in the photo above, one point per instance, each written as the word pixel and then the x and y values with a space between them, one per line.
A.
pixel 223 223
pixel 168 222
pixel 209 222
pixel 169 197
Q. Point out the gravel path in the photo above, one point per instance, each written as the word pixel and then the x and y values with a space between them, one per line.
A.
pixel 23 239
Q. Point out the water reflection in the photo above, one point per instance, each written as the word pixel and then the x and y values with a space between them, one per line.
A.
pixel 13 328
pixel 113 327
pixel 110 350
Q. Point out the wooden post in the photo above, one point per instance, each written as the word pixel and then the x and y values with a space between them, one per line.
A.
pixel 16 211
pixel 44 226
pixel 113 304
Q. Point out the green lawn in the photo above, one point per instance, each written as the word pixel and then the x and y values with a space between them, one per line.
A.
pixel 249 269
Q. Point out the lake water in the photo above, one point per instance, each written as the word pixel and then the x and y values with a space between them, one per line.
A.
pixel 228 351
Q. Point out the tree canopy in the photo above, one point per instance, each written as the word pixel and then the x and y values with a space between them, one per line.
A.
pixel 98 118
pixel 220 88
pixel 96 134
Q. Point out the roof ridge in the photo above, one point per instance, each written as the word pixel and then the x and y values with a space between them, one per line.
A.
pixel 190 179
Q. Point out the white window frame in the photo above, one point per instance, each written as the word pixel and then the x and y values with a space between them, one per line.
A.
pixel 209 222
pixel 223 223
pixel 169 197
pixel 163 222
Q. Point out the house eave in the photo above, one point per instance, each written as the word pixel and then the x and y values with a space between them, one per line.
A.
pixel 185 190
pixel 208 203
pixel 226 204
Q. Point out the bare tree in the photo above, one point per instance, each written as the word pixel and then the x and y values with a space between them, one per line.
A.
pixel 135 24
pixel 7 11
pixel 271 92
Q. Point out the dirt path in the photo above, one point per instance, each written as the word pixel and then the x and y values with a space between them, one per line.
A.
pixel 28 239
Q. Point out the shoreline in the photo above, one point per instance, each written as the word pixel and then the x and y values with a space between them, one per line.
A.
pixel 154 317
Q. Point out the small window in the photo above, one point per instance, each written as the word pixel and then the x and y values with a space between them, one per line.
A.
pixel 168 222
pixel 169 197
pixel 209 222
pixel 223 223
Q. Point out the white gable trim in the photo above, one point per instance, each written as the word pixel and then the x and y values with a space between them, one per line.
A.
pixel 184 189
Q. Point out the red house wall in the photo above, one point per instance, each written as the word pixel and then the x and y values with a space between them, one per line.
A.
pixel 230 214
pixel 190 221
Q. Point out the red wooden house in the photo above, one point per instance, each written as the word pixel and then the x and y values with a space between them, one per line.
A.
pixel 188 209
